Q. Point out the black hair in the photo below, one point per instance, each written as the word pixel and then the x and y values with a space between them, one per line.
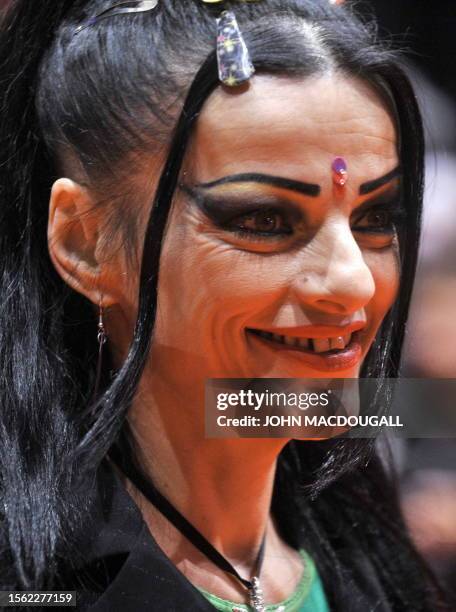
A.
pixel 81 104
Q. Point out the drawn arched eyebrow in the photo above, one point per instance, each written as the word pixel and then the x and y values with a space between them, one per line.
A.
pixel 370 186
pixel 309 189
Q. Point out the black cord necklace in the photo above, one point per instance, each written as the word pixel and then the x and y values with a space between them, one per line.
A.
pixel 192 534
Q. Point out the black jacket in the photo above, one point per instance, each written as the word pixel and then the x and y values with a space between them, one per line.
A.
pixel 120 567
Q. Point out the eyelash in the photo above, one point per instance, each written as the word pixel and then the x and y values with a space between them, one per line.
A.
pixel 397 216
pixel 250 233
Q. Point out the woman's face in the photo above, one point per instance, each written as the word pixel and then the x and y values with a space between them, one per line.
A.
pixel 251 250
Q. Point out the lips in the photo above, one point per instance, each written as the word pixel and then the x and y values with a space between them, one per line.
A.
pixel 323 348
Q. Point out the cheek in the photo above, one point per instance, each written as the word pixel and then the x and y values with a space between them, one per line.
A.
pixel 209 287
pixel 385 269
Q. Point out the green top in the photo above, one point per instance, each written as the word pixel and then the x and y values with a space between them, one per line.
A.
pixel 307 597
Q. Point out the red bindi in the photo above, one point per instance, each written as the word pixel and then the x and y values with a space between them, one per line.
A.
pixel 339 170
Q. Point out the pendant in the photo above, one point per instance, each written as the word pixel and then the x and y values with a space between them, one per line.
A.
pixel 256 596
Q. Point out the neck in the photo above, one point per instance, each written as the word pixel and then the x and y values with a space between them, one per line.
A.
pixel 222 486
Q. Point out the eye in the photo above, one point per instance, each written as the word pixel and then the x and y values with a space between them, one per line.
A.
pixel 382 219
pixel 376 218
pixel 261 222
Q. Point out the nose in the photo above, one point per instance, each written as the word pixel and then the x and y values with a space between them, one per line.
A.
pixel 337 280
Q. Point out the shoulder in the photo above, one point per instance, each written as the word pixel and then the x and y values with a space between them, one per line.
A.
pixel 119 566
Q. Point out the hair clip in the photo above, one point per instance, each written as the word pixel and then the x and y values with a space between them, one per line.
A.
pixel 121 8
pixel 233 58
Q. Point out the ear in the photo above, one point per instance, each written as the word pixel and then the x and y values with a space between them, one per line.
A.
pixel 74 230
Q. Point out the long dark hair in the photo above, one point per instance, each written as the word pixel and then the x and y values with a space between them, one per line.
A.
pixel 79 105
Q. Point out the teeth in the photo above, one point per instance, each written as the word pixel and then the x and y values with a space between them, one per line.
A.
pixel 303 342
pixel 288 340
pixel 321 344
pixel 337 343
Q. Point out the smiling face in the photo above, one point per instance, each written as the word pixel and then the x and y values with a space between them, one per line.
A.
pixel 270 267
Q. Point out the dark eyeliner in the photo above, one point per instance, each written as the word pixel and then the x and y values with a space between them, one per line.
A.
pixel 397 212
pixel 223 210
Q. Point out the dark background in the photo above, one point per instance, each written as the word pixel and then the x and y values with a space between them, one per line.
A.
pixel 428 29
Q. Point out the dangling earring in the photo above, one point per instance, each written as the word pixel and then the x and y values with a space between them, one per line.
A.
pixel 102 337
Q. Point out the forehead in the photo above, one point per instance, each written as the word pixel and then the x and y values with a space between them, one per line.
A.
pixel 295 127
